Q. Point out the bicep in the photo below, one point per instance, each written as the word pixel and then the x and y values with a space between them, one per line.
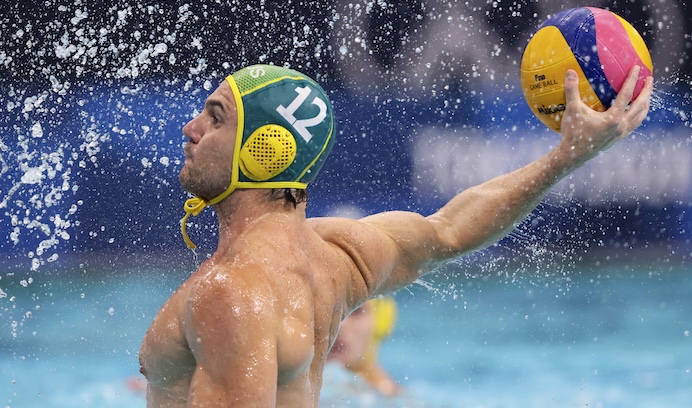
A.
pixel 234 349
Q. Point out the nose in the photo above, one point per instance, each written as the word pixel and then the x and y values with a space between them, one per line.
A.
pixel 193 130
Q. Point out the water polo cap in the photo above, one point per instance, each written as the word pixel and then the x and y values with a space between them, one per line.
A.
pixel 285 132
pixel 384 313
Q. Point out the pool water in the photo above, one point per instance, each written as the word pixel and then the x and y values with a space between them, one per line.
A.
pixel 609 336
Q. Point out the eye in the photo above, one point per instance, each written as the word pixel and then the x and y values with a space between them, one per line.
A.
pixel 213 115
pixel 215 112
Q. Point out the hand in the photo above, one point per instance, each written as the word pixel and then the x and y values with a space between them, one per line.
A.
pixel 586 132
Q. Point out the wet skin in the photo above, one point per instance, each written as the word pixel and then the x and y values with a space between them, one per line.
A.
pixel 253 325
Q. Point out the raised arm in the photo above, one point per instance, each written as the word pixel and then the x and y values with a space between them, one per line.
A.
pixel 481 215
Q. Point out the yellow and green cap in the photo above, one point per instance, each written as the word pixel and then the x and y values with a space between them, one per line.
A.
pixel 285 132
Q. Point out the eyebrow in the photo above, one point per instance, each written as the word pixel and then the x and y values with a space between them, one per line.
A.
pixel 214 104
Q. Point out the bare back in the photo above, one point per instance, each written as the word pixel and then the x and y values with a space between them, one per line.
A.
pixel 291 284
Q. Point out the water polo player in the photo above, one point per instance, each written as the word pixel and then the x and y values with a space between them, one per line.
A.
pixel 253 325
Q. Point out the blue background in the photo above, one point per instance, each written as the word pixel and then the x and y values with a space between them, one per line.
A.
pixel 114 120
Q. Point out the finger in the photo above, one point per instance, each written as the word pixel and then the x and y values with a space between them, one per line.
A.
pixel 571 87
pixel 647 90
pixel 625 95
pixel 639 108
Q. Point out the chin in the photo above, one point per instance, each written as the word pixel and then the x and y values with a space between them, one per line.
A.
pixel 187 184
pixel 203 188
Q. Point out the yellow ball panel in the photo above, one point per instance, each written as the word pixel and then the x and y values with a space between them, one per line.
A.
pixel 546 59
pixel 637 42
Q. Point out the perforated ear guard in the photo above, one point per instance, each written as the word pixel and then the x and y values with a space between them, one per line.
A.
pixel 268 151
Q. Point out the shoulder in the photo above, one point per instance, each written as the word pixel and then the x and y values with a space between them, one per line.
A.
pixel 232 292
pixel 364 249
pixel 357 242
pixel 225 309
pixel 384 231
pixel 390 249
pixel 380 223
pixel 335 230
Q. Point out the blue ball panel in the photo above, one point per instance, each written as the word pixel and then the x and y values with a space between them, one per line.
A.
pixel 579 30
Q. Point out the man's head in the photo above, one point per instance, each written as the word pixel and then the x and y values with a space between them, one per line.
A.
pixel 264 127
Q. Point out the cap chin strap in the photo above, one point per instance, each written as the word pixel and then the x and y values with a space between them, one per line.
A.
pixel 195 205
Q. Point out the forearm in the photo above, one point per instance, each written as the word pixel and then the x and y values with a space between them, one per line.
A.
pixel 481 215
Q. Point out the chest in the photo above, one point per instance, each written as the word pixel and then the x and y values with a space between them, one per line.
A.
pixel 165 356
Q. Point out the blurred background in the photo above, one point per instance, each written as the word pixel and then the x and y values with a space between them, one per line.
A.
pixel 427 96
pixel 426 93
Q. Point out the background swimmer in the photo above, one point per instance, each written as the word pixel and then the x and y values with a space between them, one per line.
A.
pixel 357 345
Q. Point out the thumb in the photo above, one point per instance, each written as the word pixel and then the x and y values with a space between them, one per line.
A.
pixel 571 87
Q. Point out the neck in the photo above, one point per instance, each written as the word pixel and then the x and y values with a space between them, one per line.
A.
pixel 245 207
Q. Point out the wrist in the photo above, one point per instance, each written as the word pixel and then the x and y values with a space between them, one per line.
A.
pixel 565 158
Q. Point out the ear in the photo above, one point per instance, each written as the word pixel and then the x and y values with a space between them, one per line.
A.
pixel 268 151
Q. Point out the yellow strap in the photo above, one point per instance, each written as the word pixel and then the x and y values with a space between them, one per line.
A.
pixel 193 206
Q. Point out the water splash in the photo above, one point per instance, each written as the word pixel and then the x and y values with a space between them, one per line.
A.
pixel 54 136
pixel 41 203
pixel 668 99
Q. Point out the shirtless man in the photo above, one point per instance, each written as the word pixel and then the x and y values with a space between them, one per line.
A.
pixel 253 325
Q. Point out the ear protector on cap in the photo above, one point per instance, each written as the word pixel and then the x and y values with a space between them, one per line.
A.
pixel 268 151
pixel 285 133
